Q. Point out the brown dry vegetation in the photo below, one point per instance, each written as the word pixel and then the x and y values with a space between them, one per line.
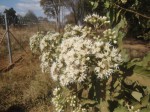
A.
pixel 24 85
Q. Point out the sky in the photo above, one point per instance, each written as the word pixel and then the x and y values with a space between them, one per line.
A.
pixel 22 6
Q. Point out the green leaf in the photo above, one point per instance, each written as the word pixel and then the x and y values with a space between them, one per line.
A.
pixel 145 110
pixel 95 5
pixel 125 56
pixel 107 4
pixel 146 60
pixel 116 94
pixel 111 15
pixel 145 101
pixel 128 82
pixel 121 109
pixel 92 3
pixel 123 1
pixel 121 101
pixel 116 84
pixel 136 105
pixel 89 102
pixel 118 15
pixel 144 63
pixel 118 88
pixel 103 106
pixel 137 95
pixel 141 71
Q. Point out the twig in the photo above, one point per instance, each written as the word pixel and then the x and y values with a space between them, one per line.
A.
pixel 129 10
pixel 6 69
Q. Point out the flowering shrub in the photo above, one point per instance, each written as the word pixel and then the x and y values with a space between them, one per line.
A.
pixel 84 50
pixel 80 56
pixel 35 41
pixel 82 60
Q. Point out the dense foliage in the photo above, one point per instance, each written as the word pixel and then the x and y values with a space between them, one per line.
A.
pixel 135 12
pixel 11 17
pixel 31 17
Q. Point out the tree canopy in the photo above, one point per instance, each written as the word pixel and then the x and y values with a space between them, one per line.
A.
pixel 31 16
pixel 52 8
pixel 11 16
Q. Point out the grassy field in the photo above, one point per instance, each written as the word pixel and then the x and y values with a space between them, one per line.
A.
pixel 25 86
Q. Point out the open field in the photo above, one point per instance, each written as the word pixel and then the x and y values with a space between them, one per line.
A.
pixel 26 87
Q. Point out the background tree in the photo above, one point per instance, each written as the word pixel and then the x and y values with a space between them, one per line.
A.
pixel 76 8
pixel 31 17
pixel 69 19
pixel 1 18
pixel 11 16
pixel 52 9
pixel 95 6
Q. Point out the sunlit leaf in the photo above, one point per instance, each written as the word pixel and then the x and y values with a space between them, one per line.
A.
pixel 137 95
pixel 121 109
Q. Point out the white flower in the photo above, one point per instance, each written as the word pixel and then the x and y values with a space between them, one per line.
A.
pixel 35 41
pixel 48 41
pixel 53 72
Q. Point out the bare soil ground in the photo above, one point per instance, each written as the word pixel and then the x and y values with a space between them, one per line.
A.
pixel 136 48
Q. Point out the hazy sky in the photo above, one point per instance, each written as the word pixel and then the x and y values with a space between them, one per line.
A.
pixel 22 6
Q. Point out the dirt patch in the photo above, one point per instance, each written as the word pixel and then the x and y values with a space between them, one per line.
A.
pixel 136 48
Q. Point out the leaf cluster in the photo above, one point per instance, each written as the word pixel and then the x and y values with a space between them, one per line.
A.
pixel 135 12
pixel 118 94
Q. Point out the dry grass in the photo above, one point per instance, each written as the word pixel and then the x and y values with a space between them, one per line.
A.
pixel 24 85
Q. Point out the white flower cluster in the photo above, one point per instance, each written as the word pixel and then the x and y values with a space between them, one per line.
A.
pixel 45 59
pixel 81 52
pixel 49 42
pixel 48 47
pixel 110 35
pixel 79 56
pixel 57 100
pixel 35 41
pixel 79 109
pixel 71 31
pixel 72 100
pixel 96 20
